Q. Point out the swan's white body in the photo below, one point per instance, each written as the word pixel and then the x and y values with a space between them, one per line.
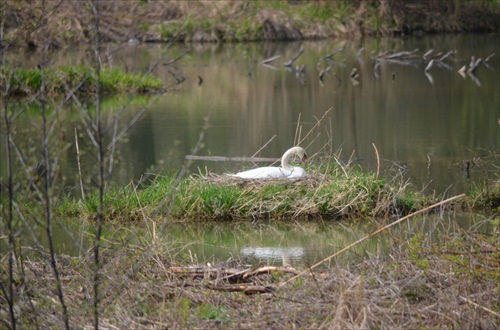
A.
pixel 285 171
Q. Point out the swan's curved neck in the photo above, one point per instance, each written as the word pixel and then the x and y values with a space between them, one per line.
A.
pixel 285 160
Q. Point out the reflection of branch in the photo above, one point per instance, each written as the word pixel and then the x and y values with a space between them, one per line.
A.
pixel 176 59
pixel 402 54
pixel 474 78
pixel 329 56
pixel 429 76
pixel 488 58
pixel 429 66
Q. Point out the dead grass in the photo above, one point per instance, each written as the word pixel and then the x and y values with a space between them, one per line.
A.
pixel 418 284
pixel 213 21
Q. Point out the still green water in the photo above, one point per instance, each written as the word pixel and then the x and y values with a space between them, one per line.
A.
pixel 424 125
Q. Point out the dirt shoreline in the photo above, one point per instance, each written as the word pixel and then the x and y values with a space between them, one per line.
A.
pixel 72 22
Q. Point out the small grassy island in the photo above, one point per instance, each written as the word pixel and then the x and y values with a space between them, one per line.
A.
pixel 328 193
pixel 80 79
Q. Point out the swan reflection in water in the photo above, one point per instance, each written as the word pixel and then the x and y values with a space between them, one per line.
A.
pixel 288 255
pixel 284 171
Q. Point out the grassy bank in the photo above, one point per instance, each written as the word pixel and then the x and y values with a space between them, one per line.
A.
pixel 80 79
pixel 213 21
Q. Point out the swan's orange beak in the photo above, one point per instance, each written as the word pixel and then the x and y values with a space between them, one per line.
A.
pixel 303 159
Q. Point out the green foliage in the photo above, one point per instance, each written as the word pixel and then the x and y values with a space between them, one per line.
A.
pixel 183 306
pixel 207 200
pixel 209 312
pixel 61 80
pixel 329 192
pixel 416 251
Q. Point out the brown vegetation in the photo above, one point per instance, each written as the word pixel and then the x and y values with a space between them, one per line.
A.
pixel 69 22
pixel 417 284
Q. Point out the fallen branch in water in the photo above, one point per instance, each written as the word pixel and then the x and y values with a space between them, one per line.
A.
pixel 270 59
pixel 231 159
pixel 290 63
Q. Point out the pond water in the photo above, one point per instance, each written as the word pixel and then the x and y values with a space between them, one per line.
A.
pixel 298 244
pixel 427 125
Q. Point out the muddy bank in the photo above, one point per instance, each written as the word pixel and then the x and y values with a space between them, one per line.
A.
pixel 71 22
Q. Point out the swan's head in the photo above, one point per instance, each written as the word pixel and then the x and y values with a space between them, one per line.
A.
pixel 302 155
pixel 299 151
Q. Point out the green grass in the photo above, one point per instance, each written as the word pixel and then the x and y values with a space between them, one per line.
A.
pixel 336 194
pixel 60 80
pixel 329 193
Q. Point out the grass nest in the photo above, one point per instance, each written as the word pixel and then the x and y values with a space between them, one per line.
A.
pixel 341 192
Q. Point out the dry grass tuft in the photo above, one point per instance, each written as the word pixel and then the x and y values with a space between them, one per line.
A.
pixel 418 284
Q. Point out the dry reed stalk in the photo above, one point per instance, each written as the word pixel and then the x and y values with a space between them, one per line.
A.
pixel 378 159
pixel 370 235
pixel 265 145
pixel 78 162
pixel 315 126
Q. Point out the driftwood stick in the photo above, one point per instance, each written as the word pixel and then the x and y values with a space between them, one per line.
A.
pixel 474 64
pixel 442 58
pixel 268 269
pixel 290 63
pixel 428 53
pixel 230 159
pixel 270 59
pixel 402 54
pixel 243 287
pixel 369 236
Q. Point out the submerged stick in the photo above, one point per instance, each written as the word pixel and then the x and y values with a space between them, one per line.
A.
pixel 369 236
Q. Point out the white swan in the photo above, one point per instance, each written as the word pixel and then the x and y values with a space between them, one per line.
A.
pixel 285 171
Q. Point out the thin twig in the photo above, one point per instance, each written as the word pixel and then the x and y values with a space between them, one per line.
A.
pixel 317 124
pixel 477 305
pixel 47 186
pixel 257 152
